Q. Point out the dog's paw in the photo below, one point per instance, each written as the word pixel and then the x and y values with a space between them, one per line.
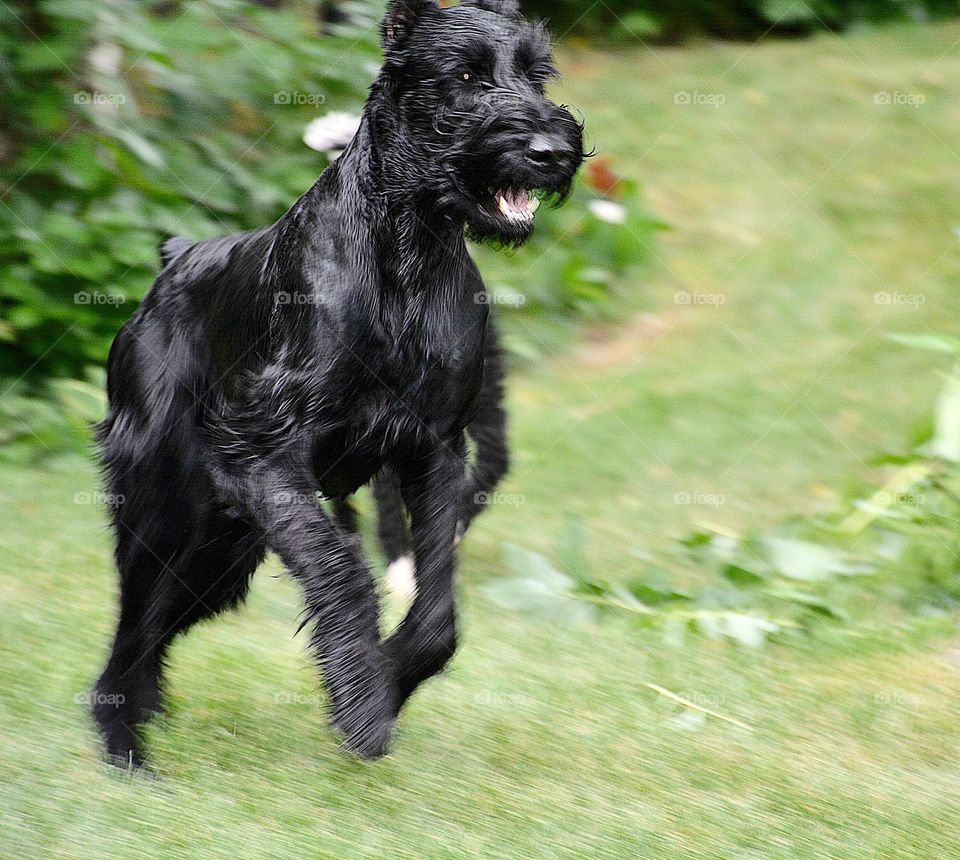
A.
pixel 363 700
pixel 366 731
pixel 124 754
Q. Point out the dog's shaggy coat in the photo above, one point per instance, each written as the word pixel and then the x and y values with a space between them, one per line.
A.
pixel 272 368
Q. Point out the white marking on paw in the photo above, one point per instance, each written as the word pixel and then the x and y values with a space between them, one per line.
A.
pixel 401 578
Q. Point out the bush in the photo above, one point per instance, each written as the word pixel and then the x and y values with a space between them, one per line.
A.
pixel 122 126
pixel 676 20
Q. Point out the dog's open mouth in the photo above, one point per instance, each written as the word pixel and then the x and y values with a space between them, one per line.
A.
pixel 515 205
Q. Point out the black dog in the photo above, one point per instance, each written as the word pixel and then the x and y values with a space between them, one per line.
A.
pixel 268 369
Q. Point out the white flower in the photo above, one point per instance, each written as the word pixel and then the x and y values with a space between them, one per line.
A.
pixel 331 133
pixel 607 210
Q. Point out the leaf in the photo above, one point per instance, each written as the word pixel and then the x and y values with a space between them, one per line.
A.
pixel 535 597
pixel 141 147
pixel 890 545
pixel 570 549
pixel 690 721
pixel 802 560
pixel 931 342
pixel 946 434
pixel 696 539
pixel 539 588
pixel 654 589
pixel 810 601
pixel 675 630
pixel 786 12
pixel 742 576
pixel 748 630
pixel 531 565
pixel 81 399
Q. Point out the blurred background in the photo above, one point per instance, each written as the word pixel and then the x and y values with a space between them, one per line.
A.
pixel 712 612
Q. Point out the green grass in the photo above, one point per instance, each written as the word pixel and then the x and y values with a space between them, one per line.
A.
pixel 542 740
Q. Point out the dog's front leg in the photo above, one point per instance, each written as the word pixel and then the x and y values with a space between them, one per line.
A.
pixel 341 603
pixel 426 638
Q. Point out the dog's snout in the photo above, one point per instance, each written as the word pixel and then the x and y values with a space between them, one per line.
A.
pixel 545 150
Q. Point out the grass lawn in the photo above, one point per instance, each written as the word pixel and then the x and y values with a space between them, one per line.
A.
pixel 809 218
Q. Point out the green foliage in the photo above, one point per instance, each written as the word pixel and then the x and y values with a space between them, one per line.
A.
pixel 729 19
pixel 122 126
pixel 894 545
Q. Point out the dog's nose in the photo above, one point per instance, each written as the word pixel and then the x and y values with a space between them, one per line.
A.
pixel 544 150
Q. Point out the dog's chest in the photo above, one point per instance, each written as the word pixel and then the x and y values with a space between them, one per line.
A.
pixel 399 408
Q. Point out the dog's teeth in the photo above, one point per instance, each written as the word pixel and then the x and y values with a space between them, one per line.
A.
pixel 516 205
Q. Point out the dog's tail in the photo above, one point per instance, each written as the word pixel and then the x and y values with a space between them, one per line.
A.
pixel 172 248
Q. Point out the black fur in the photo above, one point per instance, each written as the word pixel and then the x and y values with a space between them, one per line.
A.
pixel 491 459
pixel 268 369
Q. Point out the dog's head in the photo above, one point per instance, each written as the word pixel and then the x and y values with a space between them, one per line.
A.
pixel 469 83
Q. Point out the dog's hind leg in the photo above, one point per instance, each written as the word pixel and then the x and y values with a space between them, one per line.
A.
pixel 160 497
pixel 346 515
pixel 392 529
pixel 151 545
pixel 340 598
pixel 394 536
pixel 215 577
pixel 166 587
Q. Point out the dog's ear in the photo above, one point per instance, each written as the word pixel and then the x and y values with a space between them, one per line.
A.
pixel 400 19
pixel 508 8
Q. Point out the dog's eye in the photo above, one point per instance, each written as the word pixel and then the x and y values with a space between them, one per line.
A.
pixel 467 76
